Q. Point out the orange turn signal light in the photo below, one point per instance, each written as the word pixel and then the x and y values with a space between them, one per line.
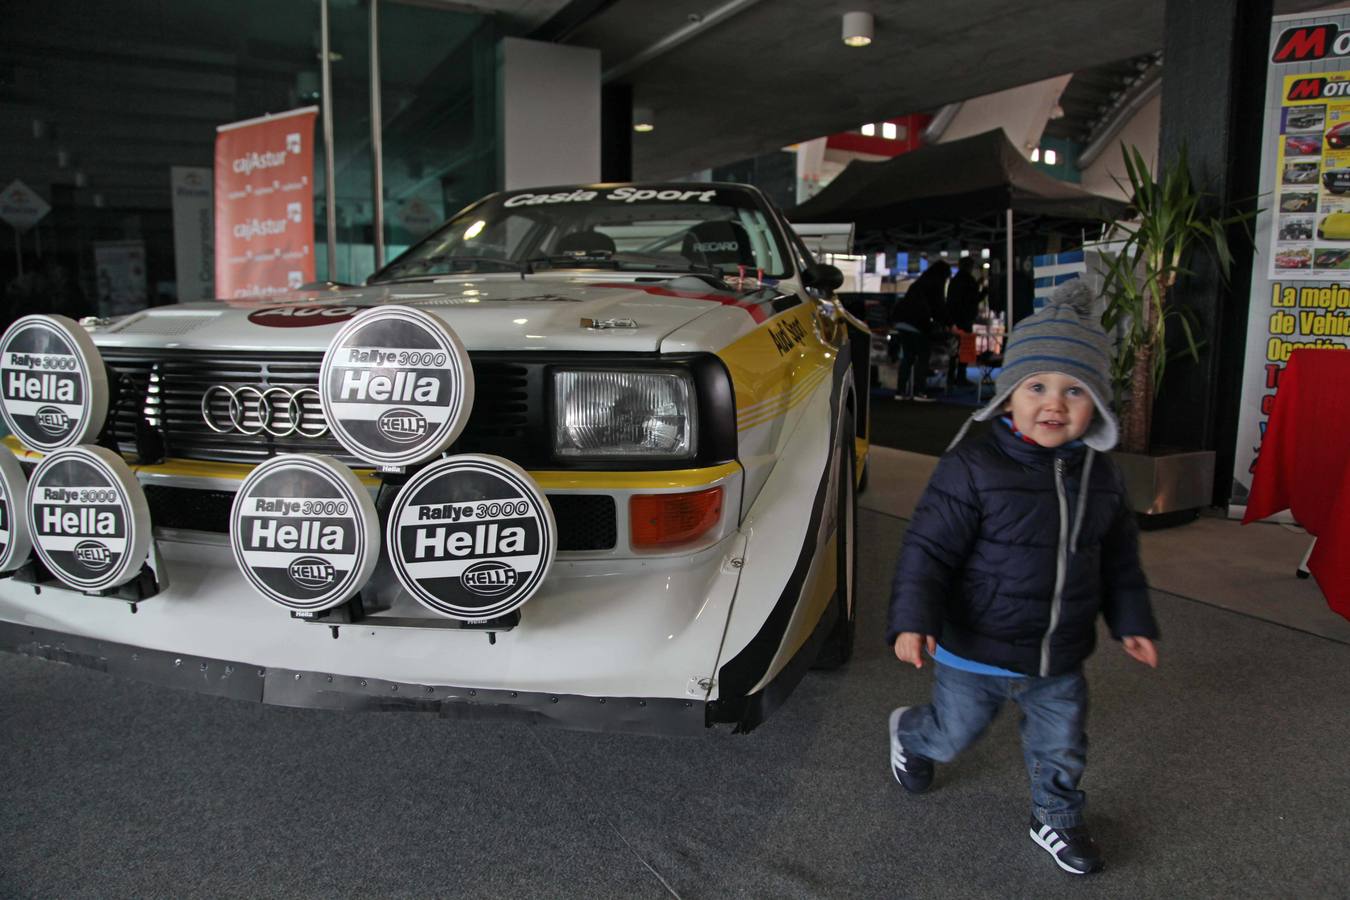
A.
pixel 661 520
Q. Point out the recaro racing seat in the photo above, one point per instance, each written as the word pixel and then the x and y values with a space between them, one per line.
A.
pixel 724 244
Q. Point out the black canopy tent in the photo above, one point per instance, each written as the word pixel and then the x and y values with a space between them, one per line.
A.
pixel 975 188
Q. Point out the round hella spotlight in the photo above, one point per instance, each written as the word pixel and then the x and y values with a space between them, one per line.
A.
pixel 89 518
pixel 396 386
pixel 304 532
pixel 471 537
pixel 15 539
pixel 53 386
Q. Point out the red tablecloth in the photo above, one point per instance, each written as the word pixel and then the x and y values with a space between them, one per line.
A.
pixel 1304 465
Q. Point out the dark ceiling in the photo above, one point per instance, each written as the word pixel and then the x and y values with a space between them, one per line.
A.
pixel 776 71
pixel 129 87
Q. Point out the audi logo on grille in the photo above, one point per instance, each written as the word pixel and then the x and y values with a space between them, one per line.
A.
pixel 253 410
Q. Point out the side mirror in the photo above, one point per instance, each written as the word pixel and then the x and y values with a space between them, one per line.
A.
pixel 824 278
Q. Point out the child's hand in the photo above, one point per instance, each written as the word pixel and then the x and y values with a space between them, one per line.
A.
pixel 1141 648
pixel 909 647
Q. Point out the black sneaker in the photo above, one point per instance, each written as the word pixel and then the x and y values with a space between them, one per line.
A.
pixel 1073 848
pixel 914 772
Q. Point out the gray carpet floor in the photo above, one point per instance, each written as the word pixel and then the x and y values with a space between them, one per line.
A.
pixel 1223 774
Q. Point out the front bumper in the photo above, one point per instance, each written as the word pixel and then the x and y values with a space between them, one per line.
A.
pixel 305 688
pixel 616 644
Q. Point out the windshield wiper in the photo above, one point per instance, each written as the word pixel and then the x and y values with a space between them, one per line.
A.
pixel 609 259
pixel 589 259
pixel 423 267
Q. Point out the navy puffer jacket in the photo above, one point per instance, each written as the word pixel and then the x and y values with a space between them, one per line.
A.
pixel 980 563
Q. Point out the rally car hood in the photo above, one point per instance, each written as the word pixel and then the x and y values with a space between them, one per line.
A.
pixel 598 312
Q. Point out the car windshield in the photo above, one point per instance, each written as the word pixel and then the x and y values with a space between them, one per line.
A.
pixel 716 230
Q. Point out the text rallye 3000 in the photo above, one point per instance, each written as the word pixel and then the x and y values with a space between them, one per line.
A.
pixel 585 454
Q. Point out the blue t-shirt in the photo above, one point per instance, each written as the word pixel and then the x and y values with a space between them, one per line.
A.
pixel 947 658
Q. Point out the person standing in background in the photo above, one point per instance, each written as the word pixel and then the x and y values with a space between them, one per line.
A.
pixel 912 318
pixel 963 304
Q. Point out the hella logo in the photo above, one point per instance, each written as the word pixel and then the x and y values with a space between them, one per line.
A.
pixel 403 426
pixel 52 419
pixel 488 578
pixel 93 555
pixel 312 572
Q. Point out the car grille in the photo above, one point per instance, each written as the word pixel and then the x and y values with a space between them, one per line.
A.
pixel 157 406
pixel 157 413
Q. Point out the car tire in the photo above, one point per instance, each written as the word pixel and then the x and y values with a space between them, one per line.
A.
pixel 838 646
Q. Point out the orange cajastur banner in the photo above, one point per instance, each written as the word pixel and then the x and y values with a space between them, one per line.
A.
pixel 264 199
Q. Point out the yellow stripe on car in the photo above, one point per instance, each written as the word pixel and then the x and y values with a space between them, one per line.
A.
pixel 635 481
pixel 799 393
pixel 776 366
pixel 547 480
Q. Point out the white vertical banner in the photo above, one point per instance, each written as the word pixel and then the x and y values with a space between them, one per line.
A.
pixel 119 273
pixel 193 233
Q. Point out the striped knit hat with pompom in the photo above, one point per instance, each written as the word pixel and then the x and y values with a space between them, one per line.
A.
pixel 1063 336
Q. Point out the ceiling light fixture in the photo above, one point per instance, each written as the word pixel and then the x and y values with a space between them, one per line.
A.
pixel 869 130
pixel 644 119
pixel 1036 154
pixel 1050 157
pixel 857 29
pixel 888 130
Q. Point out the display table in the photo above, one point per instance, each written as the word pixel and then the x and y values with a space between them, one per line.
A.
pixel 1304 464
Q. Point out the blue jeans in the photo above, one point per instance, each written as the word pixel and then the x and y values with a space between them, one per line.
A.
pixel 1054 743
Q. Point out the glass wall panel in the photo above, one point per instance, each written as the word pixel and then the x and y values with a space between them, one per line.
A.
pixel 99 100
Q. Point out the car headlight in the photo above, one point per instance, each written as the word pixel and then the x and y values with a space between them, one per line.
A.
pixel 606 413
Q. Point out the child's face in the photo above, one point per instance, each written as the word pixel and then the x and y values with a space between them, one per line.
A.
pixel 1051 408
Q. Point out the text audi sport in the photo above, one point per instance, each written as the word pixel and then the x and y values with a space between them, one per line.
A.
pixel 586 454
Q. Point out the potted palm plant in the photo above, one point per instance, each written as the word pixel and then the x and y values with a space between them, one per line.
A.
pixel 1141 263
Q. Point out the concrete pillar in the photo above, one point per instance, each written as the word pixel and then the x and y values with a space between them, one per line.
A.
pixel 1213 96
pixel 548 113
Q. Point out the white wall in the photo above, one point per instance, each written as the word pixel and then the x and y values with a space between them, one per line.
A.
pixel 1142 132
pixel 549 113
pixel 1021 112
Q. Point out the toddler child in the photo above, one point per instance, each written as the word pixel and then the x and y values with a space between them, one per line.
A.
pixel 1018 542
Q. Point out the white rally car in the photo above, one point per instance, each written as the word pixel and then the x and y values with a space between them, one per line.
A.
pixel 664 363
